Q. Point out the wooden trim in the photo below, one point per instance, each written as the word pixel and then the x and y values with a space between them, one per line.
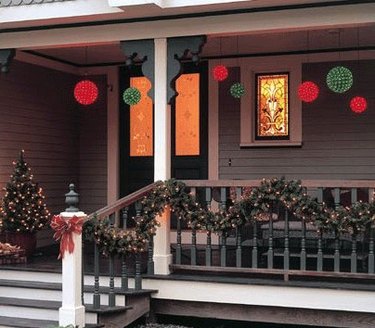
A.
pixel 123 202
pixel 305 183
pixel 213 126
pixel 286 274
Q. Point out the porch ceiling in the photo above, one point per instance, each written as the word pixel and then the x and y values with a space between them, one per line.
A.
pixel 226 45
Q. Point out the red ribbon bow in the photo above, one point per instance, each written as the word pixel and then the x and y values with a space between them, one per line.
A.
pixel 64 230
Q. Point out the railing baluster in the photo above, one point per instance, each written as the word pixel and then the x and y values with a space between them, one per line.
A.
pixel 353 257
pixel 238 236
pixel 319 260
pixel 179 241
pixel 337 197
pixel 336 256
pixel 270 242
pixel 125 212
pixel 223 251
pixel 254 252
pixel 96 300
pixel 124 274
pixel 138 275
pixel 371 259
pixel 111 296
pixel 353 195
pixel 286 241
pixel 209 242
pixel 150 252
pixel 303 247
pixel 193 250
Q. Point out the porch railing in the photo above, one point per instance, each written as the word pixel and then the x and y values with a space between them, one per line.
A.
pixel 281 243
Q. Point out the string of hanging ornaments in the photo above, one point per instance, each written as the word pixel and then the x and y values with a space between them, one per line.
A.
pixel 339 78
pixel 220 72
pixel 86 92
pixel 358 104
pixel 308 91
pixel 237 90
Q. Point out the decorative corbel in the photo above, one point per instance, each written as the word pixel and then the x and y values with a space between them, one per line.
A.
pixel 6 56
pixel 178 49
pixel 141 51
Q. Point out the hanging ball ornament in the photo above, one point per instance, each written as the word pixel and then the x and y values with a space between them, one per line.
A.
pixel 220 73
pixel 131 96
pixel 339 79
pixel 86 92
pixel 358 104
pixel 308 91
pixel 237 90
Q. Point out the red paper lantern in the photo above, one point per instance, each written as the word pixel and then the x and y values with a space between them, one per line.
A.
pixel 220 73
pixel 86 92
pixel 308 91
pixel 358 104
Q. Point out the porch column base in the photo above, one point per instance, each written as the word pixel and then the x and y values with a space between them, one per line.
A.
pixel 162 263
pixel 69 316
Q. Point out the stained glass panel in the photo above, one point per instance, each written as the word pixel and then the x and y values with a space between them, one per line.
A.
pixel 141 120
pixel 272 107
pixel 187 115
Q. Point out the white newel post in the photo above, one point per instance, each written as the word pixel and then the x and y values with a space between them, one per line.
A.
pixel 162 156
pixel 72 312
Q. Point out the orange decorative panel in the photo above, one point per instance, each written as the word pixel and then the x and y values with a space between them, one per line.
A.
pixel 141 120
pixel 187 115
pixel 272 106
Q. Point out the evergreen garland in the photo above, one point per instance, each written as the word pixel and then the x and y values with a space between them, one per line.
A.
pixel 254 205
pixel 23 208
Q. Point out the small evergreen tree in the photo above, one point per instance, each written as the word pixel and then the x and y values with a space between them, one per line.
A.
pixel 23 208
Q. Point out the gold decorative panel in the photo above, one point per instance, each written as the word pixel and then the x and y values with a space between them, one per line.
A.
pixel 141 120
pixel 187 115
pixel 272 107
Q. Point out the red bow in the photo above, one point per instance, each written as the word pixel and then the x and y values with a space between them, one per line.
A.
pixel 64 230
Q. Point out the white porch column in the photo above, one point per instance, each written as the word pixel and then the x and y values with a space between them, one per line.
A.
pixel 162 154
pixel 72 312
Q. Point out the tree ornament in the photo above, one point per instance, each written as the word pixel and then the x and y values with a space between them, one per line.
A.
pixel 358 104
pixel 86 92
pixel 131 96
pixel 237 90
pixel 339 79
pixel 220 73
pixel 308 91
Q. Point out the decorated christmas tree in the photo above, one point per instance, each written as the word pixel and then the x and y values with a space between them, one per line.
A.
pixel 23 208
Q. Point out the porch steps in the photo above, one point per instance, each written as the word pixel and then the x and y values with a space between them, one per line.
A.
pixel 34 303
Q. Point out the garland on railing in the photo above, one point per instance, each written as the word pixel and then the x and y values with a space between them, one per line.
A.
pixel 255 204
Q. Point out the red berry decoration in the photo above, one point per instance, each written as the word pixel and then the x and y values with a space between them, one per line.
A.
pixel 358 104
pixel 220 73
pixel 308 91
pixel 86 92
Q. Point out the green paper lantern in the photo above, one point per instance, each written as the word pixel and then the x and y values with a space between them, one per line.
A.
pixel 131 96
pixel 237 90
pixel 339 79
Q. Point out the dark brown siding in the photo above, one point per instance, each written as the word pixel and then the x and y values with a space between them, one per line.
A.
pixel 38 114
pixel 93 152
pixel 337 144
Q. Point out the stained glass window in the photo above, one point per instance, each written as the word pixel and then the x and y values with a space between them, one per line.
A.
pixel 272 106
pixel 187 115
pixel 141 120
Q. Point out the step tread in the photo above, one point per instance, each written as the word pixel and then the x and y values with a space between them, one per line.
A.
pixel 57 286
pixel 34 323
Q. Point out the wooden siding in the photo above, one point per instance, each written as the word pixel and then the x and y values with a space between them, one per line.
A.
pixel 38 114
pixel 93 151
pixel 337 144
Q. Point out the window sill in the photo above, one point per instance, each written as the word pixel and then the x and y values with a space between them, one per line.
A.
pixel 270 144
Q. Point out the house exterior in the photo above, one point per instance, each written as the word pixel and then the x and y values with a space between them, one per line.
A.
pixel 189 125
